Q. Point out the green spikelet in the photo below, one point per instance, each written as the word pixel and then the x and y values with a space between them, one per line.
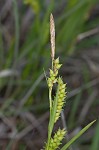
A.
pixel 56 66
pixel 56 140
pixel 52 79
pixel 61 97
pixel 53 73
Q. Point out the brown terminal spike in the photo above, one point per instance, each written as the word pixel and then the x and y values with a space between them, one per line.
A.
pixel 52 34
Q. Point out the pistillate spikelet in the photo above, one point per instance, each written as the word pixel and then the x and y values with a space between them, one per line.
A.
pixel 60 98
pixel 56 140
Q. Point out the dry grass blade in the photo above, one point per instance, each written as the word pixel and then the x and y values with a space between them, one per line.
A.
pixel 8 72
pixel 86 107
pixel 88 34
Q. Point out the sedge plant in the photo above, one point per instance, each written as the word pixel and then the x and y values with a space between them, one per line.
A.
pixel 57 101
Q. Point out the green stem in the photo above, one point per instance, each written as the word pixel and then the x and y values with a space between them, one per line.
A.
pixel 50 99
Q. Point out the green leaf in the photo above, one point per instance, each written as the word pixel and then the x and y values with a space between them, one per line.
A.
pixel 77 136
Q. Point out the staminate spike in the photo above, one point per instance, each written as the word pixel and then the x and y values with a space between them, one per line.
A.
pixel 52 34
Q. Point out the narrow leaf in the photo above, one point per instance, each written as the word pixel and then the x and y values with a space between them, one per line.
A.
pixel 77 136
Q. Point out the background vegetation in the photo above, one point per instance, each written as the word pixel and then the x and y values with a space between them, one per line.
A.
pixel 25 51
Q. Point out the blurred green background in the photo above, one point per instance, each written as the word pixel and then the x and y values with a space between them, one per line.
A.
pixel 25 54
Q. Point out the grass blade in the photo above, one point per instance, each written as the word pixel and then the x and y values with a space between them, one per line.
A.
pixel 77 136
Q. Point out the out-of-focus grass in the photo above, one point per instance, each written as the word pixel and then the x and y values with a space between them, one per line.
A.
pixel 33 54
pixel 73 24
pixel 74 106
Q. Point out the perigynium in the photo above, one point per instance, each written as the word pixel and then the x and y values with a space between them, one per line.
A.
pixel 58 100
